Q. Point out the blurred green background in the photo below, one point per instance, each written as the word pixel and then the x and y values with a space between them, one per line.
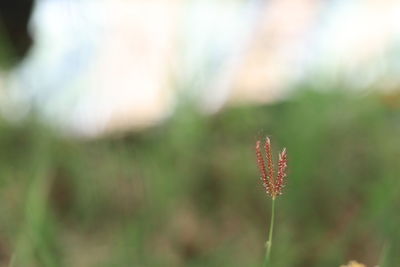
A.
pixel 187 193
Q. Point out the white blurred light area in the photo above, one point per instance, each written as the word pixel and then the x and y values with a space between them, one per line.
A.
pixel 100 63
pixel 106 65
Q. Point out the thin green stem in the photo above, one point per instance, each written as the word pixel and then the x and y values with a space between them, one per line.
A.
pixel 268 244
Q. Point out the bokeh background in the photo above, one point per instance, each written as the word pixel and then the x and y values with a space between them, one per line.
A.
pixel 128 128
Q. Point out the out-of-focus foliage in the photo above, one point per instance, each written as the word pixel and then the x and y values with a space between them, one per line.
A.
pixel 188 194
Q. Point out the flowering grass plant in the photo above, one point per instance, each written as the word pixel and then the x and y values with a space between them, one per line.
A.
pixel 273 185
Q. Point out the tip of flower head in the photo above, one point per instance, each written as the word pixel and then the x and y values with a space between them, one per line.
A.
pixel 258 144
pixel 283 153
pixel 268 140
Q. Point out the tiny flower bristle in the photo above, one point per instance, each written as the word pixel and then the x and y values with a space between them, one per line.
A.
pixel 273 186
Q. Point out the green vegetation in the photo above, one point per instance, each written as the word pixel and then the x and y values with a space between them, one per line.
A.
pixel 187 193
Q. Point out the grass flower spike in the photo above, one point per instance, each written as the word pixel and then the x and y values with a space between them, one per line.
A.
pixel 273 185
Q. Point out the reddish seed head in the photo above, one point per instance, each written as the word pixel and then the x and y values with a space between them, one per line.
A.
pixel 272 186
pixel 270 163
pixel 261 165
pixel 280 179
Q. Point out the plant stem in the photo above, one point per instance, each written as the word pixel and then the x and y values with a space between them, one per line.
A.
pixel 268 244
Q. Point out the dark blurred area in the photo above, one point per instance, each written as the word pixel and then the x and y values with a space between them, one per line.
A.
pixel 171 179
pixel 14 17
